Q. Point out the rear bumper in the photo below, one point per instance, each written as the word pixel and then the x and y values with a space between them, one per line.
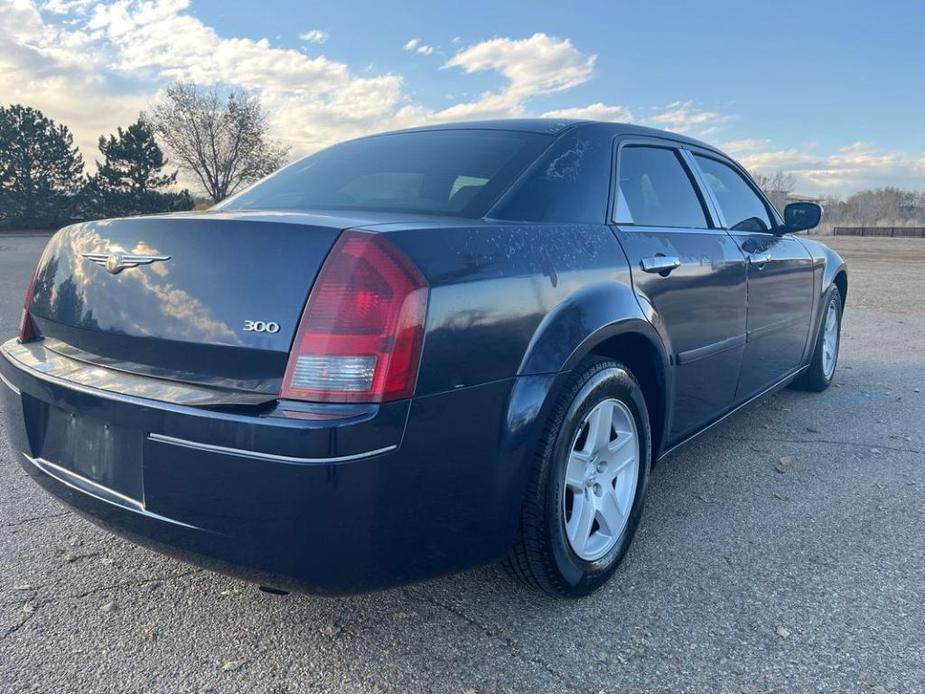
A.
pixel 363 498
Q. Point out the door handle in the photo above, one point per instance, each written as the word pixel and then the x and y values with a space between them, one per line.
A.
pixel 759 260
pixel 662 264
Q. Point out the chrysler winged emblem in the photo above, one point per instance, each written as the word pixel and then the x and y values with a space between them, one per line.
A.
pixel 117 262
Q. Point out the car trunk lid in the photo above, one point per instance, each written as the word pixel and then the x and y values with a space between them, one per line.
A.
pixel 211 299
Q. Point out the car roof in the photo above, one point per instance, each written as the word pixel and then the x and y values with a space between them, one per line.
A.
pixel 555 126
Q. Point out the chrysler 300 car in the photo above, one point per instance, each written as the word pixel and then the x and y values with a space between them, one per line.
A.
pixel 417 352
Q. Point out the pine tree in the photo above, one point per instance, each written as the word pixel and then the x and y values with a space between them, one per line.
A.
pixel 130 180
pixel 40 169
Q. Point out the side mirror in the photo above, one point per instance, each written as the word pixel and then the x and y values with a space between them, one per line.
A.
pixel 800 216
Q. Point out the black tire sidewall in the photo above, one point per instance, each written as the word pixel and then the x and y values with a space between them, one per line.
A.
pixel 612 381
pixel 818 359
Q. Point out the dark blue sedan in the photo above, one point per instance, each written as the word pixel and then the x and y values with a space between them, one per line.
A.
pixel 417 352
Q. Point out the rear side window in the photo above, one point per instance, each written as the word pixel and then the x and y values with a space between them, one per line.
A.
pixel 445 172
pixel 656 190
pixel 741 206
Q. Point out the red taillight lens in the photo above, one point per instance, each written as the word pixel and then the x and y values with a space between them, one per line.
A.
pixel 27 329
pixel 360 336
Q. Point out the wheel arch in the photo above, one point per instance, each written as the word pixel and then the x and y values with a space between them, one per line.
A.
pixel 834 270
pixel 606 319
pixel 835 276
pixel 841 281
pixel 645 360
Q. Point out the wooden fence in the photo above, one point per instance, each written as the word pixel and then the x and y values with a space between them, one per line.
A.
pixel 891 232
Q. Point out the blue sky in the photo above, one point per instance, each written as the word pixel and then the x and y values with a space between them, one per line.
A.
pixel 833 92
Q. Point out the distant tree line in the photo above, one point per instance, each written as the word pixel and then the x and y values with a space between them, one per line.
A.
pixel 42 179
pixel 881 207
pixel 878 207
pixel 219 139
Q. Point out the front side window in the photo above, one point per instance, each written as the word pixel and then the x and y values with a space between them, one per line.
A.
pixel 444 172
pixel 741 206
pixel 656 190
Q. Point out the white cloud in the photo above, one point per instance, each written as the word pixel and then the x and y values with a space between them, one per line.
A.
pixel 58 71
pixel 418 47
pixel 312 100
pixel 783 159
pixel 596 111
pixel 540 64
pixel 853 167
pixel 686 117
pixel 314 36
pixel 533 67
pixel 736 147
pixel 67 6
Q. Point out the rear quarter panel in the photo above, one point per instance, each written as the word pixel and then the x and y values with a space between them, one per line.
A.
pixel 511 299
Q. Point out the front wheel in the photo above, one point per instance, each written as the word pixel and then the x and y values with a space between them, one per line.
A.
pixel 821 369
pixel 587 488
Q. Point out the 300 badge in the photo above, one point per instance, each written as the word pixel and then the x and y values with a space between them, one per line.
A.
pixel 260 326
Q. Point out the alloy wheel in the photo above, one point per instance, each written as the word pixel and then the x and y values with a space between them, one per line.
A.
pixel 600 479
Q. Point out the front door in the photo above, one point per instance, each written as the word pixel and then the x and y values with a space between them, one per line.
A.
pixel 780 279
pixel 692 274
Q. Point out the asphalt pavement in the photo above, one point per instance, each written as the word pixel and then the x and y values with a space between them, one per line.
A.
pixel 782 551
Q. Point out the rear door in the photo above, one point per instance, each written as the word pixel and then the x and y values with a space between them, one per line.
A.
pixel 780 276
pixel 689 271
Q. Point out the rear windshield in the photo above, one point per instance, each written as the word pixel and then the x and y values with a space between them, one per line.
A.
pixel 446 172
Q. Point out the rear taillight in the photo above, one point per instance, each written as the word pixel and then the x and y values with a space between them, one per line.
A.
pixel 27 329
pixel 360 336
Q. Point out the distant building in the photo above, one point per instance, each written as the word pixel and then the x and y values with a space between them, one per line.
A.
pixel 800 197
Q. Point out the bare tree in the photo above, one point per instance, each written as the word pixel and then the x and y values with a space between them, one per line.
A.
pixel 880 207
pixel 777 186
pixel 220 137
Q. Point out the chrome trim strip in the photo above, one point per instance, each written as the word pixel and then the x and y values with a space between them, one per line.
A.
pixel 87 390
pixel 243 392
pixel 39 360
pixel 99 491
pixel 9 385
pixel 79 482
pixel 100 392
pixel 212 448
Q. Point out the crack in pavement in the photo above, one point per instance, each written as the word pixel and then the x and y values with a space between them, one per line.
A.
pixel 37 604
pixel 825 441
pixel 23 521
pixel 16 627
pixel 27 598
pixel 41 602
pixel 513 647
pixel 126 584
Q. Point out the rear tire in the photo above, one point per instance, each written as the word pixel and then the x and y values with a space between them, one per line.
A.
pixel 592 462
pixel 821 369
